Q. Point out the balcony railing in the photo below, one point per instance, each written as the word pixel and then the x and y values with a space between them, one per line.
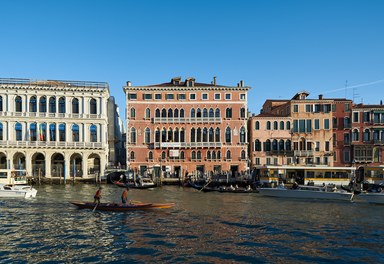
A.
pixel 52 144
pixel 378 141
pixel 303 153
pixel 288 153
pixel 188 145
pixel 52 115
pixel 167 120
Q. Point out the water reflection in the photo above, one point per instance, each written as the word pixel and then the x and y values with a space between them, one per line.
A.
pixel 203 227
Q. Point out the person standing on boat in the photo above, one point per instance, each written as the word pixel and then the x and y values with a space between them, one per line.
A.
pixel 97 196
pixel 124 196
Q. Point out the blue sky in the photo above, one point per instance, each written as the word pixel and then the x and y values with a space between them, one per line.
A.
pixel 335 48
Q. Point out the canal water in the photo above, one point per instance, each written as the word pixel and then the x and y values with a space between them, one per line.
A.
pixel 201 228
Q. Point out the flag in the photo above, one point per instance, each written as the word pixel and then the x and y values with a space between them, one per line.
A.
pixel 41 133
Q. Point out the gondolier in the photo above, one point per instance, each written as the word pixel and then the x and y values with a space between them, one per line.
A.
pixel 124 196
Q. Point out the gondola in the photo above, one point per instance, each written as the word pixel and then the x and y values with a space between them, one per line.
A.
pixel 146 185
pixel 121 207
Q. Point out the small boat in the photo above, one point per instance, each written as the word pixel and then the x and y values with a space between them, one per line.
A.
pixel 143 183
pixel 17 191
pixel 121 207
pixel 371 197
pixel 307 192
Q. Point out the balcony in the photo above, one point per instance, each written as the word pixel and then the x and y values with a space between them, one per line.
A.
pixel 188 145
pixel 52 115
pixel 378 141
pixel 303 153
pixel 183 120
pixel 52 144
pixel 288 153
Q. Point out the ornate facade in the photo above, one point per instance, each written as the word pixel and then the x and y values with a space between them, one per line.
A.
pixel 184 127
pixel 53 129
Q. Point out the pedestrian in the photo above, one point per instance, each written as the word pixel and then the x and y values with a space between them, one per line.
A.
pixel 97 196
pixel 124 196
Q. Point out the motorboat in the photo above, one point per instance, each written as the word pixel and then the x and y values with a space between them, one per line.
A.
pixel 371 197
pixel 17 191
pixel 122 207
pixel 307 192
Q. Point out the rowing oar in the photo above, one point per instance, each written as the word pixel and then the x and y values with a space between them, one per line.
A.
pixel 205 185
pixel 94 208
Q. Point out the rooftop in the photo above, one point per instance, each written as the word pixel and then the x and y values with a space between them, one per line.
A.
pixel 54 83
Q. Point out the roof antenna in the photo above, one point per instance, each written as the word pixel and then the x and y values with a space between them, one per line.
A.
pixel 346 85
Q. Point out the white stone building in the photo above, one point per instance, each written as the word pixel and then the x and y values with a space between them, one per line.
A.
pixel 53 129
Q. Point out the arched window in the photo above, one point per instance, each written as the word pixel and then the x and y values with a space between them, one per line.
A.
pixel 182 113
pixel 242 135
pixel 170 113
pixel 75 133
pixel 199 155
pixel 157 113
pixel 176 113
pixel 268 125
pixel 193 112
pixel 218 154
pixel 355 135
pixel 257 145
pixel 150 155
pixel 132 155
pixel 43 104
pixel 281 125
pixel 217 112
pixel 243 155
pixel 176 135
pixel 217 135
pixel 275 127
pixel 193 156
pixel 182 155
pixel 211 112
pixel 1 103
pixel 52 104
pixel 213 155
pixel 193 135
pixel 1 131
pixel 19 132
pixel 18 104
pixel 228 155
pixel 198 112
pixel 163 113
pixel 205 134
pixel 205 112
pixel 93 130
pixel 133 113
pixel 93 107
pixel 182 135
pixel 242 112
pixel 52 132
pixel 228 113
pixel 257 125
pixel 288 145
pixel 170 135
pixel 198 135
pixel 288 125
pixel 32 132
pixel 157 135
pixel 366 135
pixel 228 135
pixel 274 145
pixel 32 104
pixel 75 106
pixel 147 135
pixel 62 105
pixel 208 155
pixel 62 132
pixel 163 135
pixel 163 156
pixel 267 145
pixel 133 136
pixel 281 144
pixel 211 135
pixel 147 113
pixel 43 132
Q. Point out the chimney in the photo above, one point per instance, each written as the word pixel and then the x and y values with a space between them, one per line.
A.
pixel 320 97
pixel 241 83
pixel 129 83
pixel 214 80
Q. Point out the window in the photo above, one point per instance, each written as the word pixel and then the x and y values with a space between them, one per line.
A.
pixel 228 135
pixel 52 132
pixel 275 125
pixel 242 96
pixel 43 105
pixel 334 122
pixel 243 155
pixel 228 96
pixel 192 96
pixel 347 139
pixel 150 155
pixel 217 135
pixel 333 107
pixel 133 136
pixel 326 145
pixel 302 125
pixel 211 113
pixel 93 107
pixel 181 112
pixel 309 126
pixel 132 155
pixel 43 132
pixel 62 132
pixel 217 112
pixel 32 132
pixel 281 125
pixel 62 105
pixel 366 135
pixel 308 108
pixel 228 113
pixel 133 113
pixel 169 96
pixel 211 135
pixel 181 96
pixel 147 136
pixel 18 104
pixel 204 96
pixel 205 112
pixel 75 106
pixel 317 124
pixel 257 145
pixel 288 125
pixel 52 105
pixel 1 103
pixel 242 112
pixel 347 155
pixel 132 96
pixel 355 135
pixel 267 145
pixel 295 126
pixel 347 107
pixel 347 122
pixel 326 123
pixel 257 125
pixel 19 130
pixel 355 117
pixel 228 156
pixel 148 113
pixel 268 125
pixel 295 108
pixel 75 133
pixel 147 96
pixel 366 117
pixel 93 132
pixel 32 104
pixel 157 96
pixel 217 96
pixel 1 131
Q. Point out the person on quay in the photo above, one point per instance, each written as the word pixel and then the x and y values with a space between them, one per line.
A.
pixel 124 196
pixel 97 196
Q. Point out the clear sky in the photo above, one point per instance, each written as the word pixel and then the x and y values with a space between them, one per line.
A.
pixel 330 47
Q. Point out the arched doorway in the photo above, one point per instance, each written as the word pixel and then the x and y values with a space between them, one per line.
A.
pixel 93 164
pixel 19 161
pixel 57 165
pixel 76 165
pixel 38 165
pixel 3 161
